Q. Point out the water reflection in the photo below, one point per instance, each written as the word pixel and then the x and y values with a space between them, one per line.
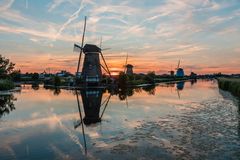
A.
pixel 95 121
pixel 35 86
pixel 6 104
pixel 92 102
pixel 193 81
pixel 180 85
pixel 56 91
pixel 151 90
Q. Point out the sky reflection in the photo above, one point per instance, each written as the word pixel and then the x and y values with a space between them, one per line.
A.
pixel 137 118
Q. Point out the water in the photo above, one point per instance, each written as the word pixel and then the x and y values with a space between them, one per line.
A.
pixel 171 121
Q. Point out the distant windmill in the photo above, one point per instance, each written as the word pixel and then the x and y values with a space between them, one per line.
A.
pixel 128 68
pixel 180 71
pixel 91 71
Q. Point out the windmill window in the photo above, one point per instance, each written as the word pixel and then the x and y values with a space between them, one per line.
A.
pixel 90 66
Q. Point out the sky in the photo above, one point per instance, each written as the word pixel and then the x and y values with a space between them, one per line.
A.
pixel 203 34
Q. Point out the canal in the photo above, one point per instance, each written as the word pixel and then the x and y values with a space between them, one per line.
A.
pixel 187 120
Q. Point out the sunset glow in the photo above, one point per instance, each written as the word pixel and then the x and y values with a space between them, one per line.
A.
pixel 203 34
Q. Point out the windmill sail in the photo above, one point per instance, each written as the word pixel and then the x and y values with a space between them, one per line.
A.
pixel 125 66
pixel 81 48
pixel 178 64
pixel 77 48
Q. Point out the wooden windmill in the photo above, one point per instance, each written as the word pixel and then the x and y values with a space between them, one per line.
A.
pixel 180 71
pixel 128 68
pixel 92 68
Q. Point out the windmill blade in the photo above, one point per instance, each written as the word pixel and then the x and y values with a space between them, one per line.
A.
pixel 77 48
pixel 81 119
pixel 100 45
pixel 104 49
pixel 178 63
pixel 105 64
pixel 125 63
pixel 178 94
pixel 126 101
pixel 106 104
pixel 80 55
pixel 77 124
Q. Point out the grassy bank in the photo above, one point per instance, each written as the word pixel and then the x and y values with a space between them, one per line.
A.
pixel 6 84
pixel 230 84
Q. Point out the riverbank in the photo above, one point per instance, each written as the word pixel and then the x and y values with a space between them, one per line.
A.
pixel 230 84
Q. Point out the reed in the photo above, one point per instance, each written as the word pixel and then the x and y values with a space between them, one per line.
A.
pixel 230 84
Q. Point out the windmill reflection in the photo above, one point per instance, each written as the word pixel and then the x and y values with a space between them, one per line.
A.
pixel 180 87
pixel 92 103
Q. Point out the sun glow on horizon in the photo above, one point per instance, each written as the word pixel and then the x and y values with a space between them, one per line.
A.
pixel 154 34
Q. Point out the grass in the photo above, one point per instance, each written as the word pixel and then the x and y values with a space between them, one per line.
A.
pixel 6 84
pixel 230 84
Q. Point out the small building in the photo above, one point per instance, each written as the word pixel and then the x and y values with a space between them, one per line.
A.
pixel 193 75
pixel 42 75
pixel 171 73
pixel 63 74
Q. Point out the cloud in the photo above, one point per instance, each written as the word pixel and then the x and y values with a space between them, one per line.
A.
pixel 50 34
pixel 71 18
pixel 13 16
pixel 5 4
pixel 217 19
pixel 229 30
pixel 56 3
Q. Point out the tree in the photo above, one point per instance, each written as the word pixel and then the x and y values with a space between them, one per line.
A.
pixel 57 81
pixel 150 77
pixel 6 67
pixel 123 79
pixel 35 76
pixel 16 75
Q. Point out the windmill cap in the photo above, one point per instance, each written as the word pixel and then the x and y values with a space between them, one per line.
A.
pixel 91 48
pixel 129 65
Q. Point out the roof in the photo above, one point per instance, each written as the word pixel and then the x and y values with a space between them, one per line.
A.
pixel 91 48
pixel 129 65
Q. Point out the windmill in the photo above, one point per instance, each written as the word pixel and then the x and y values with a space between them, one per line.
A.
pixel 180 71
pixel 128 68
pixel 91 71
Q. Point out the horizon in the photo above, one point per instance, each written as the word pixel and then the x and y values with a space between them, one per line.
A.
pixel 204 35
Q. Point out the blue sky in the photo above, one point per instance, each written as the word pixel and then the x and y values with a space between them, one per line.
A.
pixel 204 34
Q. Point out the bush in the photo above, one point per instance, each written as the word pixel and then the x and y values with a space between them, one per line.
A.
pixel 150 77
pixel 57 81
pixel 123 79
pixel 6 84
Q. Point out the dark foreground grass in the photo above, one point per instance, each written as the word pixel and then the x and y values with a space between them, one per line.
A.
pixel 230 84
pixel 6 84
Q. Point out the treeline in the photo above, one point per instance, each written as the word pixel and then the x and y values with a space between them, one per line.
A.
pixel 135 79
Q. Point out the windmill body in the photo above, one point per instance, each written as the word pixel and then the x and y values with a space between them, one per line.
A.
pixel 180 71
pixel 129 69
pixel 91 71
